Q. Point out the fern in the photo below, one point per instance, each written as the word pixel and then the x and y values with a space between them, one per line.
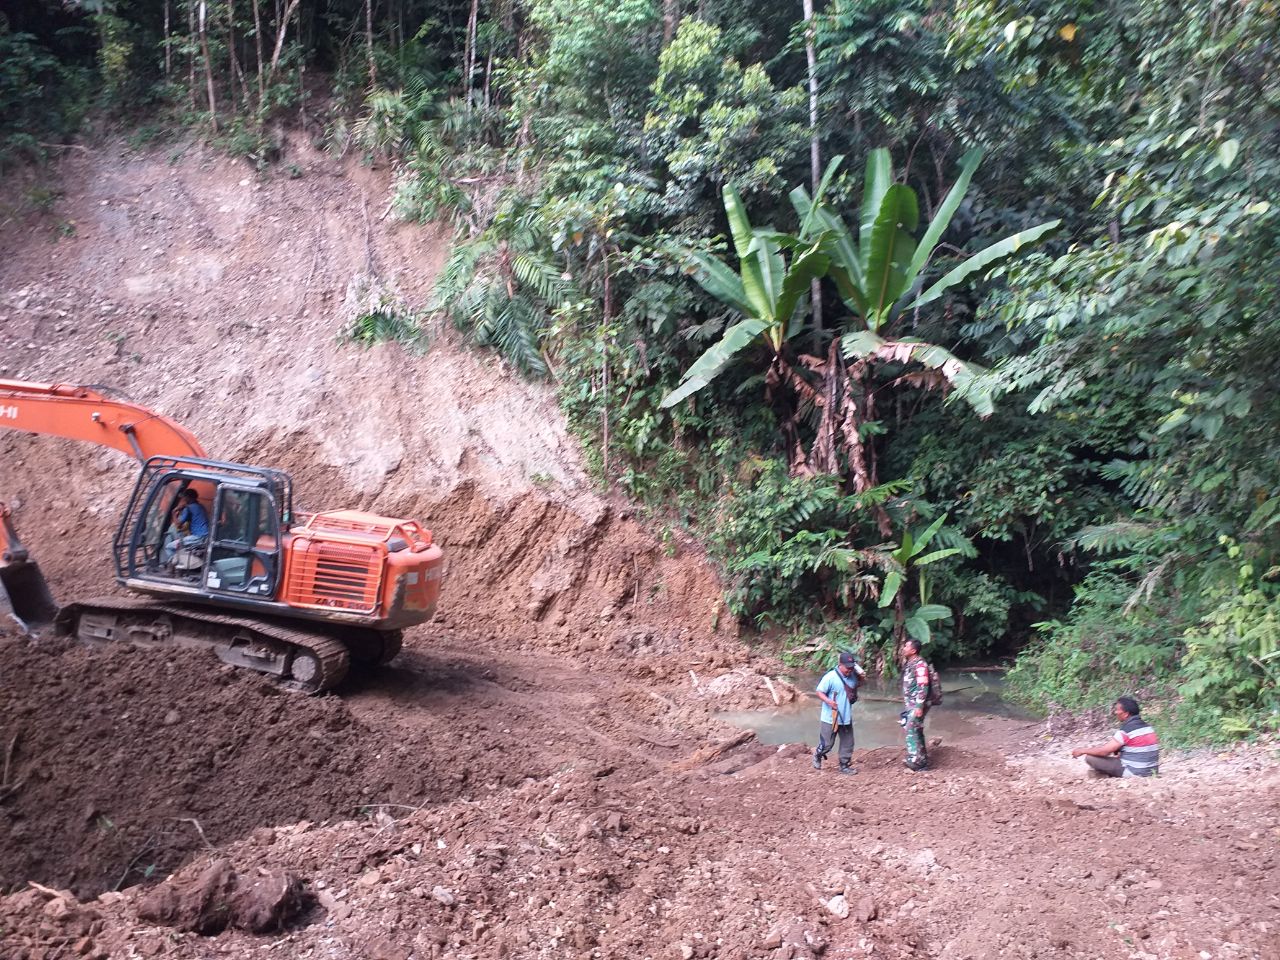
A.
pixel 1118 537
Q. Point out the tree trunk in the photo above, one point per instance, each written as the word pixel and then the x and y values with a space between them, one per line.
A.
pixel 281 32
pixel 859 408
pixel 469 53
pixel 815 156
pixel 488 75
pixel 368 44
pixel 604 363
pixel 191 56
pixel 168 53
pixel 257 42
pixel 236 72
pixel 208 65
pixel 670 20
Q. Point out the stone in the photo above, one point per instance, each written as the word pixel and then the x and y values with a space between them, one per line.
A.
pixel 444 896
pixel 838 906
pixel 371 879
pixel 384 949
pixel 866 911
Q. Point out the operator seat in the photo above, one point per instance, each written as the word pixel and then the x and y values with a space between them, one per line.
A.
pixel 189 559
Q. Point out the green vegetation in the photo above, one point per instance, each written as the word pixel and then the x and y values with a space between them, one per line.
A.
pixel 965 332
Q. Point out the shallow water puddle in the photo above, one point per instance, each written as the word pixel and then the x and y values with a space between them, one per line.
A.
pixel 966 696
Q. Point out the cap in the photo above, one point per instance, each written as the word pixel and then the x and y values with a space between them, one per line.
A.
pixel 848 660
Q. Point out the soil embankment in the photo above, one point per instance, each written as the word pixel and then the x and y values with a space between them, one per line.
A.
pixel 537 775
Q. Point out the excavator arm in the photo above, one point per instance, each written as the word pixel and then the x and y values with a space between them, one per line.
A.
pixel 77 413
pixel 81 413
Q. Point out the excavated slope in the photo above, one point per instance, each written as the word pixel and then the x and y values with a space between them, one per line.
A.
pixel 216 295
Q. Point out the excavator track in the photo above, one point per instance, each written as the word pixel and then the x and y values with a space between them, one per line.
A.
pixel 302 660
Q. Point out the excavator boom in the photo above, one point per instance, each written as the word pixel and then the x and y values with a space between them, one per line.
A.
pixel 82 413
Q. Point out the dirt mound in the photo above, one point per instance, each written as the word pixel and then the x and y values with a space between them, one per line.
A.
pixel 129 759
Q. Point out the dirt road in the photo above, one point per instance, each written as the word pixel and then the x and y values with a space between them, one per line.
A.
pixel 480 802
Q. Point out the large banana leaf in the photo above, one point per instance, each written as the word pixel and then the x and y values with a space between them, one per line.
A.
pixel 942 219
pixel 892 581
pixel 846 268
pixel 923 540
pixel 718 356
pixel 876 182
pixel 888 251
pixel 759 259
pixel 771 269
pixel 721 282
pixel 805 268
pixel 983 259
pixel 806 224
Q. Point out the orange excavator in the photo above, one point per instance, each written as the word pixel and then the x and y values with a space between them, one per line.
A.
pixel 219 555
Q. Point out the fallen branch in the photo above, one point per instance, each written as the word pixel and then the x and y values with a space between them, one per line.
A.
pixel 8 788
pixel 704 755
pixel 63 146
pixel 47 891
pixel 146 848
pixel 199 829
pixel 8 759
pixel 777 702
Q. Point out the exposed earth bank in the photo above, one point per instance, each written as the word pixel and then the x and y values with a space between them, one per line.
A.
pixel 539 773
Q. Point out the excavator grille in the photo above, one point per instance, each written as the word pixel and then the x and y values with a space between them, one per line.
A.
pixel 342 575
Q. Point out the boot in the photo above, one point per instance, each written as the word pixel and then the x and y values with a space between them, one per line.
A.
pixel 848 769
pixel 817 759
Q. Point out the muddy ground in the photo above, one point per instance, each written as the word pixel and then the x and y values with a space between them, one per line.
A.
pixel 539 773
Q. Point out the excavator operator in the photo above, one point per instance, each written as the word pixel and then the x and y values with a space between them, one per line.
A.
pixel 191 525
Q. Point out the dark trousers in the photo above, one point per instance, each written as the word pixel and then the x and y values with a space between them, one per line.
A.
pixel 827 740
pixel 1111 766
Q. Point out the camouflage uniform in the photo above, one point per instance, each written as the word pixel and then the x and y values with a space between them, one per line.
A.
pixel 915 696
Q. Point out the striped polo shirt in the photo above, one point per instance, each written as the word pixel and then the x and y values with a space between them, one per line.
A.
pixel 1140 752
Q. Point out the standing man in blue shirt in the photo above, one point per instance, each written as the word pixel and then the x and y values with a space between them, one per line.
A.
pixel 837 690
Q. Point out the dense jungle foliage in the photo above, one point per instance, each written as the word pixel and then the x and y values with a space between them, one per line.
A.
pixel 950 318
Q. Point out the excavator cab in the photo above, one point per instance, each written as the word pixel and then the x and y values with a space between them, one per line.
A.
pixel 248 509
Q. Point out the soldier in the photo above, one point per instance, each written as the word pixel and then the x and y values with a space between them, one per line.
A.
pixel 915 697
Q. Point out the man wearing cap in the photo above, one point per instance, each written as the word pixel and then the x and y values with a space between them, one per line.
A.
pixel 837 690
pixel 1134 749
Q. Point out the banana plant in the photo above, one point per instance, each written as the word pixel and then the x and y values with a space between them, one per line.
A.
pixel 882 273
pixel 908 558
pixel 879 274
pixel 767 290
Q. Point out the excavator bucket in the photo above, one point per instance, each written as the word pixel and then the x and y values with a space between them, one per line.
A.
pixel 24 594
pixel 25 597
